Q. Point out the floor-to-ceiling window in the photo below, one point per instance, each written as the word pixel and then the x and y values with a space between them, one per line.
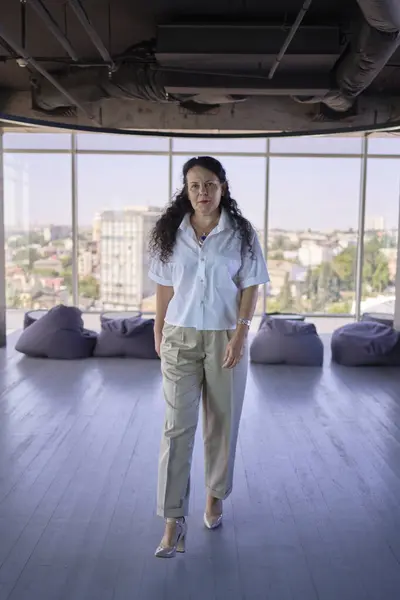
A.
pixel 313 206
pixel 79 209
pixel 38 220
pixel 381 224
pixel 122 186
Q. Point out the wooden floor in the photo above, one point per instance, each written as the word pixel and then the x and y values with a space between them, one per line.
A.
pixel 315 512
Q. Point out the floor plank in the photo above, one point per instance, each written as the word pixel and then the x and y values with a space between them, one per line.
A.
pixel 315 513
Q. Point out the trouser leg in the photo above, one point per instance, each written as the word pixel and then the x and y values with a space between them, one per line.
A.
pixel 223 394
pixel 182 369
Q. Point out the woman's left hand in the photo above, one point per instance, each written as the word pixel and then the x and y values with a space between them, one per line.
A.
pixel 233 352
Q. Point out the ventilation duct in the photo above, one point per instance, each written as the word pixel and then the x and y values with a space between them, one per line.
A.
pixel 383 15
pixel 135 82
pixel 373 42
pixel 92 85
pixel 365 56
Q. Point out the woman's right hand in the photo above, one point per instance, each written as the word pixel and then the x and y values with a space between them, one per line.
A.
pixel 157 341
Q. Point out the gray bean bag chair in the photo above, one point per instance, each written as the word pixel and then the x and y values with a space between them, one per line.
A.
pixel 130 337
pixel 59 334
pixel 287 342
pixel 366 343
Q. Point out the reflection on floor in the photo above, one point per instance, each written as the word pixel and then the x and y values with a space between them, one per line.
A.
pixel 315 512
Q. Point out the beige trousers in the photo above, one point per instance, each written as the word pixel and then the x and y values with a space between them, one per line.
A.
pixel 191 363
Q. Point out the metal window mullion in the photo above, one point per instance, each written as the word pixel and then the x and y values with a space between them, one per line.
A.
pixel 3 316
pixel 74 208
pixel 361 228
pixel 170 168
pixel 397 279
pixel 266 213
pixel 125 152
pixel 187 153
pixel 36 151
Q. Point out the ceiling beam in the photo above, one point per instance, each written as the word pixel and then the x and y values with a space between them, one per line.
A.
pixel 51 24
pixel 22 53
pixel 289 38
pixel 92 33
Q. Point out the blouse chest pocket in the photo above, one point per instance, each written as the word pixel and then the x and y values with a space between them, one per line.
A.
pixel 226 272
pixel 177 271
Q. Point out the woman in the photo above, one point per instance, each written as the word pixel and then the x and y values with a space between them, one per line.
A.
pixel 207 263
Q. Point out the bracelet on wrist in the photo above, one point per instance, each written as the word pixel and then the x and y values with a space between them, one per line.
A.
pixel 244 322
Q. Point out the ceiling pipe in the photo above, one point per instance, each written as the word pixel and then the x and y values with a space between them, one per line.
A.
pixel 383 15
pixel 289 37
pixel 373 43
pixel 23 54
pixel 46 17
pixel 92 33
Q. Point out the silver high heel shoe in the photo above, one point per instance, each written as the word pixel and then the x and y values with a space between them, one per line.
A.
pixel 213 521
pixel 179 540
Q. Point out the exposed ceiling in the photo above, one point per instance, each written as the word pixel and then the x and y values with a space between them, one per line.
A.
pixel 292 65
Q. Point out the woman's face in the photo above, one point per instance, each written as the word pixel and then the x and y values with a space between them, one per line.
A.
pixel 204 190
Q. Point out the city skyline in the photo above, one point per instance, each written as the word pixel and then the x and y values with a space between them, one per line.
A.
pixel 88 226
pixel 308 270
pixel 312 221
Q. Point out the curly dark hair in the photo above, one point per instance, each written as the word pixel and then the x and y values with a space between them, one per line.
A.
pixel 163 236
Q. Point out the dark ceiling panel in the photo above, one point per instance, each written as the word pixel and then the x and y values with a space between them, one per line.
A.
pixel 242 39
pixel 165 37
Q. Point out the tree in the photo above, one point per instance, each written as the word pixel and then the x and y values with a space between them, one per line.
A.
pixel 285 298
pixel 66 262
pixel 277 255
pixel 344 266
pixel 322 286
pixel 338 308
pixel 329 281
pixel 67 276
pixel 310 288
pixel 42 272
pixel 279 243
pixel 380 277
pixel 273 305
pixel 376 267
pixel 89 287
pixel 26 257
pixel 36 238
pixel 14 301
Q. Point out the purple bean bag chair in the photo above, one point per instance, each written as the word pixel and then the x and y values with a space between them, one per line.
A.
pixel 129 337
pixel 59 334
pixel 280 315
pixel 287 342
pixel 366 343
pixel 32 316
pixel 385 319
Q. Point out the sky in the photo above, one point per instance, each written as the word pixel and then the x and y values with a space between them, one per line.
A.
pixel 304 192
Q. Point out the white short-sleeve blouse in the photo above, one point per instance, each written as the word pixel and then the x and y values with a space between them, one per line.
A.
pixel 207 280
